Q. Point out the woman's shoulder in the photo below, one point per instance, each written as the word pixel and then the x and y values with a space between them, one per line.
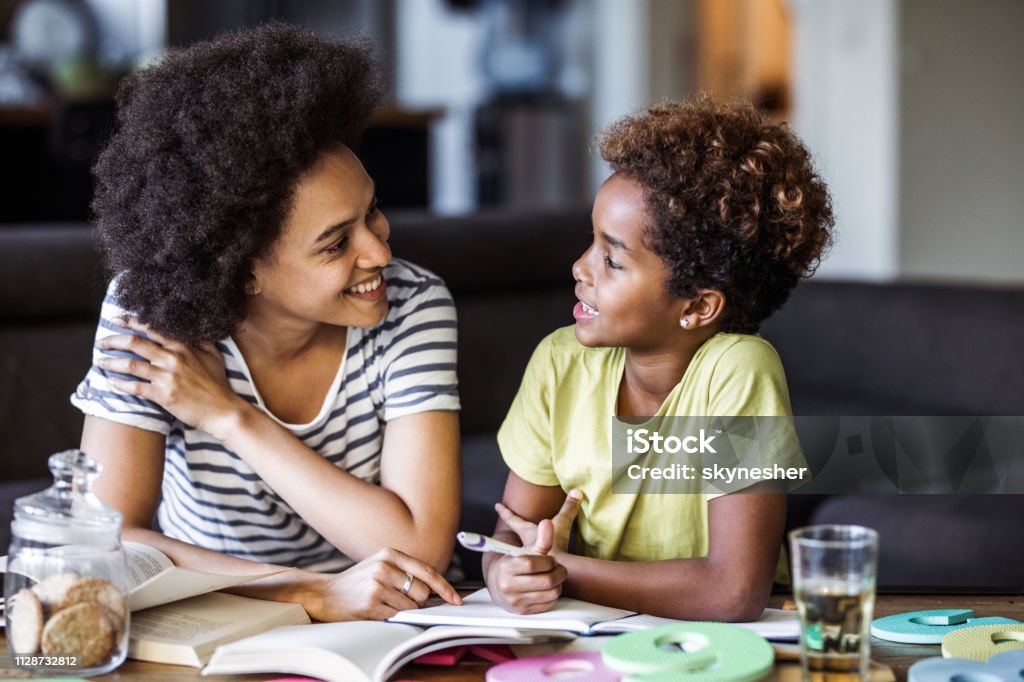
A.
pixel 403 276
pixel 412 287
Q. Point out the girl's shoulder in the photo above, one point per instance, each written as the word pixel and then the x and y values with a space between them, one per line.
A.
pixel 748 351
pixel 564 349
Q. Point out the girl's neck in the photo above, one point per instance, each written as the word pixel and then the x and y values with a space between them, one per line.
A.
pixel 650 376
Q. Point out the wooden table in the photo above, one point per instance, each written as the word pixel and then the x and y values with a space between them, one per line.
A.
pixel 899 657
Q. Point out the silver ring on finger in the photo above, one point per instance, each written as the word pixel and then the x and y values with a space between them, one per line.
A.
pixel 407 585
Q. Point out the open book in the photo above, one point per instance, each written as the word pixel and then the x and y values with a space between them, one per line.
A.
pixel 153 579
pixel 177 616
pixel 578 616
pixel 359 651
pixel 187 632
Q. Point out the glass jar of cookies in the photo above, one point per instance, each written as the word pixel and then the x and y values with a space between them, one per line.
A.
pixel 64 589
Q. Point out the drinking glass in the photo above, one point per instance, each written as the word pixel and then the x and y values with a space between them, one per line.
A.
pixel 833 576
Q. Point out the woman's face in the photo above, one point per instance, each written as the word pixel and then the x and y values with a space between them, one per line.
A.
pixel 620 282
pixel 326 265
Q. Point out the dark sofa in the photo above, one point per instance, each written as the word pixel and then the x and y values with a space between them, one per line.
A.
pixel 848 348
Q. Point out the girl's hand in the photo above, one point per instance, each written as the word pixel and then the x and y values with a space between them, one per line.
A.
pixel 533 583
pixel 561 524
pixel 190 382
pixel 373 588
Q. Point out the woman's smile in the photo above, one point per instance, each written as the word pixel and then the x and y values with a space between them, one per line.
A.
pixel 372 289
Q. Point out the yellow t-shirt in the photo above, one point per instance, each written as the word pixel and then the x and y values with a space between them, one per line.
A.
pixel 558 432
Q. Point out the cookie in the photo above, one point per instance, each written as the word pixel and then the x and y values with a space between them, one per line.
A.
pixel 80 629
pixel 26 620
pixel 53 590
pixel 95 590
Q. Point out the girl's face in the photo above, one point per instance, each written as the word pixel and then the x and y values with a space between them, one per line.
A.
pixel 620 282
pixel 326 265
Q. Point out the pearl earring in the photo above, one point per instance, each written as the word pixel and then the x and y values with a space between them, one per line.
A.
pixel 684 323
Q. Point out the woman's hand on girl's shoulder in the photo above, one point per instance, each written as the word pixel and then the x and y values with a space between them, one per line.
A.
pixel 188 381
pixel 378 587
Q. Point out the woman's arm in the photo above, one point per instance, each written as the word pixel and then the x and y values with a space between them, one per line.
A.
pixel 732 583
pixel 133 461
pixel 415 509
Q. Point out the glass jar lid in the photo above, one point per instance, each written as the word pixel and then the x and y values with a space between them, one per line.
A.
pixel 68 511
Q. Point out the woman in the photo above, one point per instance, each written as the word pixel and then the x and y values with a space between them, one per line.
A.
pixel 267 381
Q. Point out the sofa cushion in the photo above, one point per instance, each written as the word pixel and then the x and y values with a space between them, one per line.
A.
pixel 49 271
pixel 9 492
pixel 902 349
pixel 939 540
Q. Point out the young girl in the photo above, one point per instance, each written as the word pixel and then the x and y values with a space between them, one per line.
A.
pixel 711 216
pixel 258 337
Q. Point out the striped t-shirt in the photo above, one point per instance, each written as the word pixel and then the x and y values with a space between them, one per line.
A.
pixel 213 499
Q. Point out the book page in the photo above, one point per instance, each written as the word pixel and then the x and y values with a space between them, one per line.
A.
pixel 198 619
pixel 196 626
pixel 325 650
pixel 143 563
pixel 774 624
pixel 478 609
pixel 440 638
pixel 155 580
pixel 329 651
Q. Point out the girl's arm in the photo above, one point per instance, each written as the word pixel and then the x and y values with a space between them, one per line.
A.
pixel 531 583
pixel 415 509
pixel 133 461
pixel 732 583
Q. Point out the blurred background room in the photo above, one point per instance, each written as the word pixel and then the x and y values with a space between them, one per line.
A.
pixel 913 109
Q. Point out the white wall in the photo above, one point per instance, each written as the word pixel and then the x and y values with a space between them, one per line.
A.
pixel 132 29
pixel 915 112
pixel 627 53
pixel 962 143
pixel 641 52
pixel 437 53
pixel 846 109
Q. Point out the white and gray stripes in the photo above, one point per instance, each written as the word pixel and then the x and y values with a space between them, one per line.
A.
pixel 212 498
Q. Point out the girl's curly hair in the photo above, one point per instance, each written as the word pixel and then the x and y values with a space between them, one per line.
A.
pixel 733 201
pixel 197 179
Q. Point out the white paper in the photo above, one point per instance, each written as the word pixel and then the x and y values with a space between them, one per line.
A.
pixel 774 624
pixel 478 609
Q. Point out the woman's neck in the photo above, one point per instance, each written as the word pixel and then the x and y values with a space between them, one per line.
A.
pixel 282 341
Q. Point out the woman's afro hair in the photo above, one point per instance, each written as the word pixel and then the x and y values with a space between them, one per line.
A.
pixel 197 179
pixel 733 201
